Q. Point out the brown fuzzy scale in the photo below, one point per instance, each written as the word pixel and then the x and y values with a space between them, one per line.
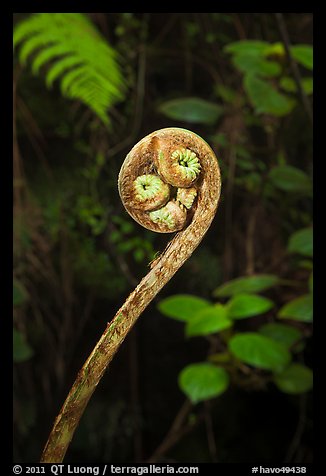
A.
pixel 178 250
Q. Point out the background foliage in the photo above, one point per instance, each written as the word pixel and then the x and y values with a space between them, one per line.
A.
pixel 219 366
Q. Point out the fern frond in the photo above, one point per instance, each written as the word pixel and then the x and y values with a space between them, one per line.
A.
pixel 76 54
pixel 59 67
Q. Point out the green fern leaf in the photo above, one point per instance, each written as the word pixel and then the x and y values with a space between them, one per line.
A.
pixel 29 46
pixel 58 68
pixel 71 77
pixel 74 52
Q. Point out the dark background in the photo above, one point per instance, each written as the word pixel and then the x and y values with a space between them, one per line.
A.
pixel 71 276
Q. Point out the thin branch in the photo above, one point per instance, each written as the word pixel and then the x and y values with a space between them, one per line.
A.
pixel 210 432
pixel 176 431
pixel 295 442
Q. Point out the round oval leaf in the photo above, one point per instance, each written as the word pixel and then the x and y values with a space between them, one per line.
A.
pixel 247 47
pixel 247 284
pixel 290 179
pixel 251 64
pixel 208 321
pixel 266 98
pixel 192 110
pixel 203 381
pixel 242 306
pixel 303 54
pixel 286 335
pixel 301 242
pixel 259 351
pixel 299 309
pixel 182 307
pixel 297 378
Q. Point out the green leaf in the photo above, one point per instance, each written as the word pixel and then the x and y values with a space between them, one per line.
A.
pixel 303 54
pixel 259 351
pixel 255 65
pixel 297 378
pixel 247 284
pixel 208 321
pixel 226 93
pixel 300 309
pixel 265 98
pixel 22 351
pixel 290 179
pixel 282 333
pixel 301 242
pixel 20 295
pixel 192 110
pixel 59 67
pixel 242 306
pixel 182 307
pixel 289 85
pixel 307 85
pixel 77 54
pixel 275 49
pixel 203 381
pixel 247 47
pixel 311 283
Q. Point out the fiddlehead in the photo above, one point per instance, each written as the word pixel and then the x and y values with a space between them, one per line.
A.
pixel 161 196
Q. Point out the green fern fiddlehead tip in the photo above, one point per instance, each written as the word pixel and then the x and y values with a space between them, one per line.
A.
pixel 171 216
pixel 188 162
pixel 150 191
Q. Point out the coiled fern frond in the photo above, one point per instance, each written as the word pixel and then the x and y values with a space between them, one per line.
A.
pixel 75 52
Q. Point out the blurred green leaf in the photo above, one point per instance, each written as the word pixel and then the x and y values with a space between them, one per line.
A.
pixel 301 242
pixel 289 85
pixel 297 378
pixel 247 47
pixel 265 98
pixel 182 307
pixel 259 351
pixel 208 321
pixel 192 110
pixel 247 284
pixel 275 49
pixel 299 309
pixel 255 65
pixel 290 179
pixel 242 306
pixel 22 350
pixel 203 381
pixel 77 54
pixel 281 333
pixel 226 93
pixel 303 54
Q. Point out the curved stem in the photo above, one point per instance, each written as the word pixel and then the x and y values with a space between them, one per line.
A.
pixel 179 249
